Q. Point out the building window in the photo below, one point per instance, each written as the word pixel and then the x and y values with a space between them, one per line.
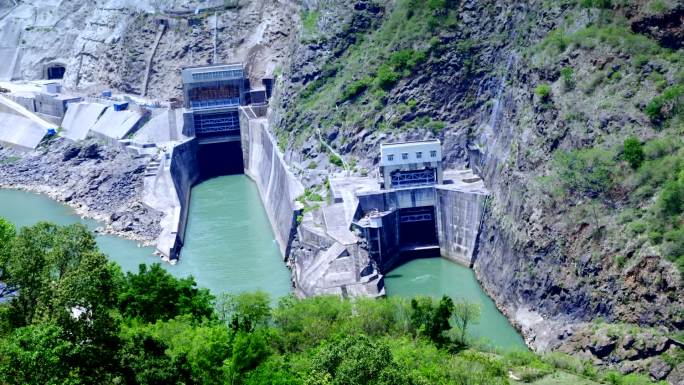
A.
pixel 419 155
pixel 404 156
pixel 390 157
pixel 433 154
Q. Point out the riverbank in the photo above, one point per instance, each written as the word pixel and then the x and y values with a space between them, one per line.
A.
pixel 230 249
pixel 99 182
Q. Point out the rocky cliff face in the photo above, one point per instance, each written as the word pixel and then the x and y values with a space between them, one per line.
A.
pixel 108 43
pixel 507 87
pixel 99 181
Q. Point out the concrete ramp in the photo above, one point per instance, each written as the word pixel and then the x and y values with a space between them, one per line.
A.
pixel 19 131
pixel 161 128
pixel 80 118
pixel 9 68
pixel 117 124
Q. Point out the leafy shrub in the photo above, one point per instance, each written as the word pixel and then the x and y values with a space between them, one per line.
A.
pixel 633 152
pixel 637 227
pixel 601 4
pixel 673 246
pixel 658 148
pixel 568 78
pixel 587 172
pixel 671 198
pixel 666 105
pixel 556 39
pixel 436 126
pixel 356 88
pixel 406 59
pixel 543 91
pixel 336 160
pixel 386 77
pixel 310 22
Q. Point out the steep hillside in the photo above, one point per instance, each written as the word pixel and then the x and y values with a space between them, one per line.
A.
pixel 571 111
pixel 108 43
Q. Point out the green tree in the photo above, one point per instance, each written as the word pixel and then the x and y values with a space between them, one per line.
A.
pixel 245 311
pixel 633 152
pixel 356 360
pixel 249 350
pixel 586 172
pixel 671 199
pixel 7 234
pixel 432 320
pixel 204 345
pixel 153 294
pixel 274 371
pixel 465 314
pixel 37 355
pixel 144 361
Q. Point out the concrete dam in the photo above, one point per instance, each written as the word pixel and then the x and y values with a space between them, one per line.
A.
pixel 409 208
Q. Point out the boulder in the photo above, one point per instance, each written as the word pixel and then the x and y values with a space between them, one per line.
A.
pixel 659 369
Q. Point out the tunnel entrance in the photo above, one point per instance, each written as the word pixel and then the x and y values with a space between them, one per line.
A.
pixel 417 227
pixel 217 159
pixel 56 71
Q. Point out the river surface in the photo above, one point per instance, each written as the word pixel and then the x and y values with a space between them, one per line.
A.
pixel 436 277
pixel 230 247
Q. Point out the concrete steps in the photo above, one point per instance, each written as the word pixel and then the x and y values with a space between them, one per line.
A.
pixel 152 168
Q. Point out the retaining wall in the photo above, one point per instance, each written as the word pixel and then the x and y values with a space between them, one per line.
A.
pixel 184 173
pixel 277 186
pixel 459 215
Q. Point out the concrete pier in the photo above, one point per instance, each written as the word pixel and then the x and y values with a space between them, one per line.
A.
pixel 367 231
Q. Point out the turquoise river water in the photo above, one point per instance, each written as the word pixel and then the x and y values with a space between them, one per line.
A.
pixel 230 247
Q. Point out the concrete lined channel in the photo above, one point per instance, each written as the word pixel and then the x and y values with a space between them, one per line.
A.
pixel 230 248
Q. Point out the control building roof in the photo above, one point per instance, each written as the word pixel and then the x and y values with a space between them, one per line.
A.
pixel 394 154
pixel 216 72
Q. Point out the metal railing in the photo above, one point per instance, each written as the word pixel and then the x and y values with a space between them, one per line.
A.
pixel 207 104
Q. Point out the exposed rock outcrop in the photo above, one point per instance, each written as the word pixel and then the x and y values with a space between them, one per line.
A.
pixel 99 181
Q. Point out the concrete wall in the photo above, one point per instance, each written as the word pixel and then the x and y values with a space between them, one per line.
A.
pixel 277 186
pixel 397 199
pixel 185 173
pixel 459 215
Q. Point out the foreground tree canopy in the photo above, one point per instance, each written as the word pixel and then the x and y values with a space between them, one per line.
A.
pixel 68 316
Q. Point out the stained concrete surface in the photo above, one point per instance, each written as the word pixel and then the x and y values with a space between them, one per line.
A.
pixel 19 131
pixel 277 185
pixel 21 128
pixel 117 124
pixel 80 118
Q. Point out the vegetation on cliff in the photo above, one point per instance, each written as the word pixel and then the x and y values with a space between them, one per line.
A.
pixel 69 316
pixel 572 112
